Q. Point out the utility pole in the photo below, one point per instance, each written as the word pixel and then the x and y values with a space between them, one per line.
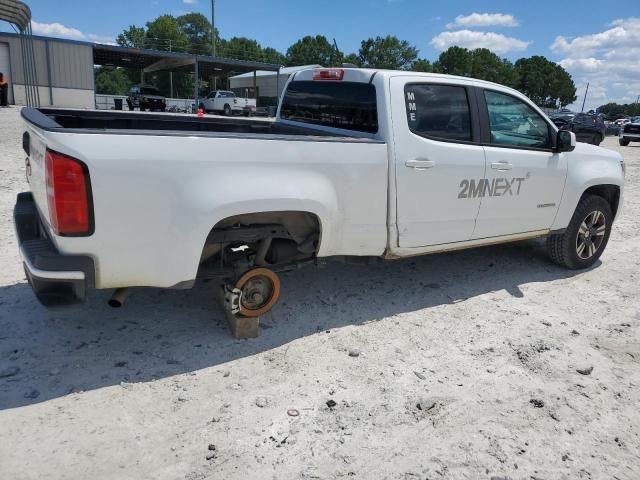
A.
pixel 337 50
pixel 213 39
pixel 170 76
pixel 585 97
pixel 213 26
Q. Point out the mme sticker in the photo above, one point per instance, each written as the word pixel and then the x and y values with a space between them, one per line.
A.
pixel 412 108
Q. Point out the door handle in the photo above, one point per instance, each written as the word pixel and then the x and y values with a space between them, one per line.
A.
pixel 420 163
pixel 501 166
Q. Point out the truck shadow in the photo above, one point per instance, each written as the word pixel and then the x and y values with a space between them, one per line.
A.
pixel 160 333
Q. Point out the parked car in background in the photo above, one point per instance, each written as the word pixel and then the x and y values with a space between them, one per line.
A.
pixel 630 132
pixel 612 129
pixel 621 122
pixel 588 127
pixel 226 102
pixel 146 98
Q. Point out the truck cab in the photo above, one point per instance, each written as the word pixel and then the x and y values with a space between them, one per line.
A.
pixel 470 162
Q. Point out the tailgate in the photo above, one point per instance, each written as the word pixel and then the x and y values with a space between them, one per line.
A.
pixel 34 145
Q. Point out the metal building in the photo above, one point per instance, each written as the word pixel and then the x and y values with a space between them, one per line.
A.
pixel 65 68
pixel 269 84
pixel 64 71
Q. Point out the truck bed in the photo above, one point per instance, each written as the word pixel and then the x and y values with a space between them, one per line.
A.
pixel 103 121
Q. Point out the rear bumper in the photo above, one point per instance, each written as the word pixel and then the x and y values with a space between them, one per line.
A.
pixel 56 279
pixel 634 137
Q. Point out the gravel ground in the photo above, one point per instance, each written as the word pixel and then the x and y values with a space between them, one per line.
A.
pixel 460 365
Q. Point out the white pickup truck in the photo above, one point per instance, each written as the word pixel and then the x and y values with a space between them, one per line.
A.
pixel 358 163
pixel 222 101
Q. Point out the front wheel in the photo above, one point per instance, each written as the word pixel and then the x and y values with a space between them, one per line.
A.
pixel 586 237
pixel 227 110
pixel 623 142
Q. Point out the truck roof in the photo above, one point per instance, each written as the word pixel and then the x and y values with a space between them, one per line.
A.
pixel 366 75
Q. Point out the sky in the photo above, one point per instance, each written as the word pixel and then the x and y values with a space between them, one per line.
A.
pixel 596 41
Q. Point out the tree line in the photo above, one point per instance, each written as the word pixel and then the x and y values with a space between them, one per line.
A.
pixel 615 110
pixel 545 82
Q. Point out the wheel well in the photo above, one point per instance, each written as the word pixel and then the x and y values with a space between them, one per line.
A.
pixel 264 238
pixel 611 193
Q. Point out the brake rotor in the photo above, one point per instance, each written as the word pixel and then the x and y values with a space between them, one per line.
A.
pixel 260 289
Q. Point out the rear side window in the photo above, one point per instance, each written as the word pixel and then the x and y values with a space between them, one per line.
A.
pixel 438 111
pixel 337 104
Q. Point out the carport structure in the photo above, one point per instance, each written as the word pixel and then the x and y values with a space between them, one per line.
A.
pixel 18 14
pixel 202 66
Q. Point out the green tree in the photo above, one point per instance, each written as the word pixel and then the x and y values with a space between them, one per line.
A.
pixel 132 37
pixel 388 52
pixel 352 59
pixel 197 29
pixel 313 50
pixel 240 48
pixel 422 65
pixel 486 65
pixel 164 33
pixel 620 110
pixel 455 61
pixel 112 81
pixel 545 82
pixel 271 55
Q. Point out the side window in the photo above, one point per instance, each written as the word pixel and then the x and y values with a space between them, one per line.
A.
pixel 438 111
pixel 514 123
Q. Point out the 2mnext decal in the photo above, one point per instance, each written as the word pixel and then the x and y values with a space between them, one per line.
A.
pixel 498 187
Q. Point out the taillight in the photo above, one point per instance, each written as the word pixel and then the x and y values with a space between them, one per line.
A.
pixel 68 195
pixel 328 74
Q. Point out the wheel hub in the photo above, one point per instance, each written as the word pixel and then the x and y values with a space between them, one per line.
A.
pixel 260 290
pixel 591 234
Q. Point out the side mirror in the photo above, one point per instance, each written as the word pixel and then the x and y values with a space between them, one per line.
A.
pixel 565 141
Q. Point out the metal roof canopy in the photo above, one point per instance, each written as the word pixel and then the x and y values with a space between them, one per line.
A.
pixel 15 12
pixel 18 14
pixel 156 60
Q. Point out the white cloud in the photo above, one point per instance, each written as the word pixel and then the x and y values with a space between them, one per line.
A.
pixel 606 60
pixel 61 31
pixel 496 42
pixel 625 33
pixel 484 20
pixel 190 2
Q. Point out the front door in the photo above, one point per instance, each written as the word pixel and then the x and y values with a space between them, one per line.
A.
pixel 525 177
pixel 437 153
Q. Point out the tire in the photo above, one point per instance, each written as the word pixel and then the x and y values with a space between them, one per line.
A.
pixel 623 143
pixel 597 139
pixel 227 110
pixel 163 109
pixel 576 248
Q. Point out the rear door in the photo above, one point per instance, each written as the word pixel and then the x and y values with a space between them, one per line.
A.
pixel 438 158
pixel 525 177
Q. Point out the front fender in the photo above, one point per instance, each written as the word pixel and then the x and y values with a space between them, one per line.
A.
pixel 588 166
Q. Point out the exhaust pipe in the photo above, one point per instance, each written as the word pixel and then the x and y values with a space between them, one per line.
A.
pixel 118 298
